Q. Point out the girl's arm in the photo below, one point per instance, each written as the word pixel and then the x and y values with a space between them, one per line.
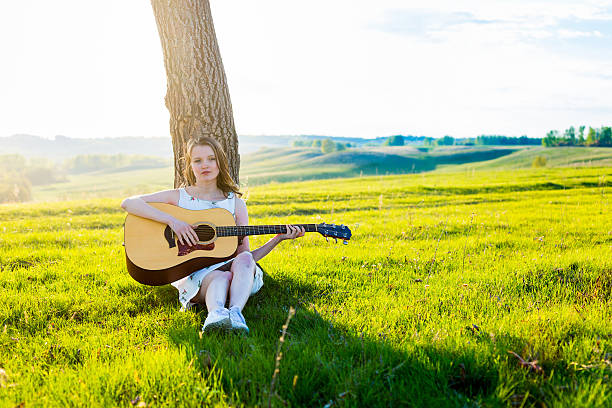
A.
pixel 242 218
pixel 137 205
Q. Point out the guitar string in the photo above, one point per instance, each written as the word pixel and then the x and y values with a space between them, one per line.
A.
pixel 245 230
pixel 251 229
pixel 204 231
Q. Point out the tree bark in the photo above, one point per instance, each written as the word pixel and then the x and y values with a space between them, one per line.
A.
pixel 197 95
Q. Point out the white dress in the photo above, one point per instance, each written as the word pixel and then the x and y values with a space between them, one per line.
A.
pixel 189 286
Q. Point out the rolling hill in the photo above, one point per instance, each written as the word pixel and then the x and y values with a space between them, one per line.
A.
pixel 287 164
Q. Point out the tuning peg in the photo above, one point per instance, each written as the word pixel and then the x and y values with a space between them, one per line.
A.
pixel 345 242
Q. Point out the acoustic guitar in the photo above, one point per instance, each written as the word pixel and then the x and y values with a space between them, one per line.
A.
pixel 154 256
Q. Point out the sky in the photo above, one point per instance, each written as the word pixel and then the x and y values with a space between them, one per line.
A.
pixel 352 68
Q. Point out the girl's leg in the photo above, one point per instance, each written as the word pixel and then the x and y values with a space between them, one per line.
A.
pixel 213 291
pixel 243 271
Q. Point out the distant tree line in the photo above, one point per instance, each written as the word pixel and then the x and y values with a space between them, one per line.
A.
pixel 482 140
pixel 601 137
pixel 326 145
pixel 395 140
pixel 488 140
pixel 571 137
pixel 85 163
pixel 498 140
pixel 401 140
pixel 443 141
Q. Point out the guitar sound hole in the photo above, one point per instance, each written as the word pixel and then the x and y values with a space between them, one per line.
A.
pixel 205 232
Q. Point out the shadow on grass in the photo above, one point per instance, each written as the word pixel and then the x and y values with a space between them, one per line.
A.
pixel 472 156
pixel 323 363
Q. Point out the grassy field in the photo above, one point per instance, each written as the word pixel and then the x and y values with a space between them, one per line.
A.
pixel 467 289
pixel 293 164
pixel 555 157
pixel 297 164
pixel 100 184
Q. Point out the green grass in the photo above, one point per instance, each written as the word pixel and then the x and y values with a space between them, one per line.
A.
pixel 446 274
pixel 297 164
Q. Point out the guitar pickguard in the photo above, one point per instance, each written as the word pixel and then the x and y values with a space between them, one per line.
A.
pixel 187 249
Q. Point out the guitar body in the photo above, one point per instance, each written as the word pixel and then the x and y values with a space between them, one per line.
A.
pixel 155 257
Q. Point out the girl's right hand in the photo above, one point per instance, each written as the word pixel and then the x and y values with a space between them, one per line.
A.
pixel 184 232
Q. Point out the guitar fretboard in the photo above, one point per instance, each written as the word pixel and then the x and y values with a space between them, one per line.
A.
pixel 243 230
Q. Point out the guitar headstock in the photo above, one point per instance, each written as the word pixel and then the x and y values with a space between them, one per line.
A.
pixel 335 231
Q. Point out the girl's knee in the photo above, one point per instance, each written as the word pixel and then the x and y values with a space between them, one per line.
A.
pixel 221 275
pixel 245 258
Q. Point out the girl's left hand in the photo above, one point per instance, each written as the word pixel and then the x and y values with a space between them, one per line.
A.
pixel 293 232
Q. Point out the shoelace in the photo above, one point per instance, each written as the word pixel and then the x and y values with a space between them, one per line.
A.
pixel 221 312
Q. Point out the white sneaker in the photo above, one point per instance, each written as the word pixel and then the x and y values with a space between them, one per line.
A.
pixel 217 320
pixel 237 320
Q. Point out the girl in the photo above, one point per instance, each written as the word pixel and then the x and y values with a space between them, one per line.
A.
pixel 210 186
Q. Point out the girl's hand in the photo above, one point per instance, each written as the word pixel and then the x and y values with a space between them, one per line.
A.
pixel 293 232
pixel 184 232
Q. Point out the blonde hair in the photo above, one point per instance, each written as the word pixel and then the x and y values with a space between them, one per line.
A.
pixel 225 182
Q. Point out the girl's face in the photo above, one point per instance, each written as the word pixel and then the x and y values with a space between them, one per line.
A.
pixel 204 163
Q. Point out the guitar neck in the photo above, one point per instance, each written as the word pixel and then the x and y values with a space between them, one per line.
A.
pixel 243 230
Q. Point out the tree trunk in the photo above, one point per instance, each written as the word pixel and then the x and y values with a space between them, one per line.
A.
pixel 197 96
